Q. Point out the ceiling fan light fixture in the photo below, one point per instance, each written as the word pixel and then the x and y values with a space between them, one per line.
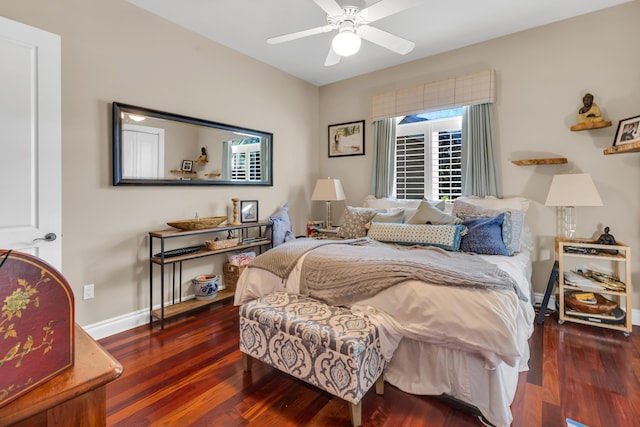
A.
pixel 346 42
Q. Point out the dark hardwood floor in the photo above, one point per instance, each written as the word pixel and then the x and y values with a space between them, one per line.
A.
pixel 191 374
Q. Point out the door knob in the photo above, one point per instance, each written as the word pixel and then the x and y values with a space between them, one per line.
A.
pixel 49 237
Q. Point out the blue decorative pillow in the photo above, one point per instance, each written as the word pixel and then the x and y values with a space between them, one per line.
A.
pixel 484 236
pixel 443 236
pixel 281 226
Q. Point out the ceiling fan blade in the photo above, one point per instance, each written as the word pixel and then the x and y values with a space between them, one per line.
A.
pixel 299 34
pixel 332 58
pixel 330 6
pixel 386 8
pixel 385 39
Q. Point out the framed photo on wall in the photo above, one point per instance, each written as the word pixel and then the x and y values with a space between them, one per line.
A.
pixel 187 165
pixel 628 131
pixel 346 139
pixel 248 210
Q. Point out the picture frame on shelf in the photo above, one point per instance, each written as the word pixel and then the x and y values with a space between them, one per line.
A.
pixel 187 165
pixel 346 139
pixel 628 131
pixel 248 210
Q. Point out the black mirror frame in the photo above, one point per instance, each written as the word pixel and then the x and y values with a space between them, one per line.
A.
pixel 132 109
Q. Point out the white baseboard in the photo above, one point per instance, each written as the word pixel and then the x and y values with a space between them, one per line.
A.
pixel 141 317
pixel 635 314
pixel 122 323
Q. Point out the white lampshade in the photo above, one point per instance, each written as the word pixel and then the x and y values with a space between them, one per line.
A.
pixel 328 190
pixel 568 191
pixel 575 189
pixel 346 42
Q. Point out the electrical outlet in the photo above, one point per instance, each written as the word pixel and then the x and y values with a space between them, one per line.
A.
pixel 88 291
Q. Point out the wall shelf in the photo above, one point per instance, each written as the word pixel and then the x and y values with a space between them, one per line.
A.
pixel 632 147
pixel 547 161
pixel 587 126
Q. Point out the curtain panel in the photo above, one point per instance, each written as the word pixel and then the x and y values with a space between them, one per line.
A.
pixel 479 170
pixel 384 149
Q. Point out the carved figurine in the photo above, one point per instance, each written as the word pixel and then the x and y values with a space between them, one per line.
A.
pixel 590 112
pixel 203 155
pixel 607 239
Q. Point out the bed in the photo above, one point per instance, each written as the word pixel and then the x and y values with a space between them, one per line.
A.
pixel 446 332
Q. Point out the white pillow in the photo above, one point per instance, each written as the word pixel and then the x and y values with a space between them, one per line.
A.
pixel 490 202
pixel 391 202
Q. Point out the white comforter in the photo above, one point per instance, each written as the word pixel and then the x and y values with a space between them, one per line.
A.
pixel 489 323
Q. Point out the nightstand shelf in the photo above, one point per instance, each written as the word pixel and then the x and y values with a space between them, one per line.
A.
pixel 621 266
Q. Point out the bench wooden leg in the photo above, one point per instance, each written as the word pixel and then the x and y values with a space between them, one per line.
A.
pixel 380 384
pixel 246 362
pixel 356 413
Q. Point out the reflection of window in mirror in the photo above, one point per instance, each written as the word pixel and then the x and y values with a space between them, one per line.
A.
pixel 246 159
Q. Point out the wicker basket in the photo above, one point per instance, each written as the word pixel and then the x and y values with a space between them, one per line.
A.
pixel 231 273
pixel 212 245
pixel 198 223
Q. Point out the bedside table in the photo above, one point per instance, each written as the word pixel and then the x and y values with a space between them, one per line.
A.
pixel 326 233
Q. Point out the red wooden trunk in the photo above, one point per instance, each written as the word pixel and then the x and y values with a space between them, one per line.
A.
pixel 36 324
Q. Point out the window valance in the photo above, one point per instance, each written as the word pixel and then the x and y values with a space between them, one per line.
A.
pixel 472 89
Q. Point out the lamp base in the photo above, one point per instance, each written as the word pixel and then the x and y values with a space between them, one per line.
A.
pixel 329 225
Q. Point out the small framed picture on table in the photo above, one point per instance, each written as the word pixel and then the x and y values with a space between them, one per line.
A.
pixel 248 211
pixel 187 165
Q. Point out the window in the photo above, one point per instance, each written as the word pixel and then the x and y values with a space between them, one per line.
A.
pixel 429 156
pixel 246 162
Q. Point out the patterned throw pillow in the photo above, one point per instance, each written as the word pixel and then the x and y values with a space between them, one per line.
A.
pixel 443 236
pixel 484 236
pixel 355 222
pixel 512 226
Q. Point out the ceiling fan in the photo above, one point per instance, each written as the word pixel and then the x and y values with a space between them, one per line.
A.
pixel 352 24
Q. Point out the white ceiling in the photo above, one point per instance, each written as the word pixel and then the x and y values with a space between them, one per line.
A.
pixel 435 27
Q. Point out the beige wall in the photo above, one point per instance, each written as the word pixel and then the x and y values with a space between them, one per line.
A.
pixel 113 51
pixel 542 75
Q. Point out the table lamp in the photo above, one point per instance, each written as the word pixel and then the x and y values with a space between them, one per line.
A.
pixel 568 191
pixel 328 190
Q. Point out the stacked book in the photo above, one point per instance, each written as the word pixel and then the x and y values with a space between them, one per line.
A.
pixel 584 283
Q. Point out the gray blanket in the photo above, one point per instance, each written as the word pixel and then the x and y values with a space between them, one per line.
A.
pixel 343 272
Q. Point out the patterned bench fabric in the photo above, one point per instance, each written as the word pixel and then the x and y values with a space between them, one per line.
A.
pixel 327 347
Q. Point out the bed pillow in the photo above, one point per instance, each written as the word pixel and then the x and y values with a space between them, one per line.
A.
pixel 512 227
pixel 390 202
pixel 443 236
pixel 281 226
pixel 395 216
pixel 427 214
pixel 484 236
pixel 355 222
pixel 502 204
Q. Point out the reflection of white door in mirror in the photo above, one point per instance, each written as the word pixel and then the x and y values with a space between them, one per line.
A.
pixel 143 149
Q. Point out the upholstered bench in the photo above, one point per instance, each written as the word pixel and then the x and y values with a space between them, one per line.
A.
pixel 328 347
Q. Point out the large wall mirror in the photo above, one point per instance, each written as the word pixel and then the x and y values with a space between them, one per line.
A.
pixel 152 147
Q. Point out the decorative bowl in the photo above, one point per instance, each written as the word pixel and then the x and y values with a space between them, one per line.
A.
pixel 198 223
pixel 205 286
